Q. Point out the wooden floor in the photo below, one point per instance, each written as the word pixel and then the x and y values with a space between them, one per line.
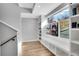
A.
pixel 35 49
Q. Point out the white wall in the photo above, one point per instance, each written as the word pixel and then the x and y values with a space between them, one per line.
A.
pixel 9 49
pixel 29 29
pixel 10 13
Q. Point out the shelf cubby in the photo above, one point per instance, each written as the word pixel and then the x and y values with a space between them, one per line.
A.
pixel 60 52
pixel 75 22
pixel 75 35
pixel 75 49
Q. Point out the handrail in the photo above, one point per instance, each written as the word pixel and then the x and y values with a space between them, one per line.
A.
pixel 8 40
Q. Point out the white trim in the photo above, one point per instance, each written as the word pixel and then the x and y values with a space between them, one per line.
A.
pixel 9 25
pixel 75 29
pixel 19 52
pixel 31 40
pixel 29 15
pixel 75 42
pixel 75 16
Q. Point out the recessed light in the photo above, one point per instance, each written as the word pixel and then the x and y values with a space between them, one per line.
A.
pixel 38 6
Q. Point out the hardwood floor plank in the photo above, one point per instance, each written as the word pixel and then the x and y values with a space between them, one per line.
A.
pixel 35 48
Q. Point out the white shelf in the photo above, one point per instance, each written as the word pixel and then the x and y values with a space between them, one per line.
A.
pixel 75 42
pixel 75 29
pixel 73 54
pixel 75 16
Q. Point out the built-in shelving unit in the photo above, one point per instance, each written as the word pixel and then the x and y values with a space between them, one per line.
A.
pixel 74 31
pixel 65 46
pixel 75 37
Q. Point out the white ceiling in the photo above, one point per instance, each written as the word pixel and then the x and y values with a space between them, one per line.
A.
pixel 29 15
pixel 38 8
pixel 26 5
pixel 44 8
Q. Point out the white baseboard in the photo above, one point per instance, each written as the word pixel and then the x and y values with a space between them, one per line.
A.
pixel 30 40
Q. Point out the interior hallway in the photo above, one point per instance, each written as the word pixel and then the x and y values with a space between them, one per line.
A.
pixel 35 48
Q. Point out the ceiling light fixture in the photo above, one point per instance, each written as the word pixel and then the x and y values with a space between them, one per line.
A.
pixel 38 6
